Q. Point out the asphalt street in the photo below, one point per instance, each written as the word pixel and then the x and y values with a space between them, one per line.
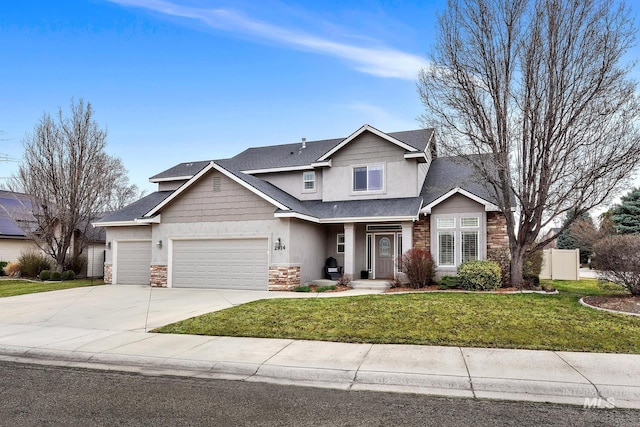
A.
pixel 35 395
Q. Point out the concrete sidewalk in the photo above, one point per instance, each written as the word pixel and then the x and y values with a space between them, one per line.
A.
pixel 54 334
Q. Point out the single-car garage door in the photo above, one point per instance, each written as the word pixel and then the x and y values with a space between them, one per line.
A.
pixel 224 264
pixel 133 260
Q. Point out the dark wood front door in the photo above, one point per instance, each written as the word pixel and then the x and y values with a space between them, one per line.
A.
pixel 384 256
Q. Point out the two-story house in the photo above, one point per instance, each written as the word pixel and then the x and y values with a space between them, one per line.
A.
pixel 269 217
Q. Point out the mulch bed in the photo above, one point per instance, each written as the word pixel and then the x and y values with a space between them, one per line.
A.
pixel 626 303
pixel 339 288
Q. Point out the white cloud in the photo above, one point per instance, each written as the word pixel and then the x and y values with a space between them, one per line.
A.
pixel 377 61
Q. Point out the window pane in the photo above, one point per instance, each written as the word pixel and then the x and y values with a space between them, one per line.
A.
pixel 375 178
pixel 446 222
pixel 369 252
pixel 469 245
pixel 469 222
pixel 360 179
pixel 309 179
pixel 340 244
pixel 399 253
pixel 446 248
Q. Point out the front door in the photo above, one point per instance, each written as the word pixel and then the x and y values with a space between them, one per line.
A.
pixel 384 256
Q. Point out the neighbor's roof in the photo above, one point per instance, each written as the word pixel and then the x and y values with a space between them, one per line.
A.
pixel 16 217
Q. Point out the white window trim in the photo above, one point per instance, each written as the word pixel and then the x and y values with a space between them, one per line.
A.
pixel 454 248
pixel 477 234
pixel 458 230
pixel 367 191
pixel 304 181
pixel 469 226
pixel 443 227
pixel 338 243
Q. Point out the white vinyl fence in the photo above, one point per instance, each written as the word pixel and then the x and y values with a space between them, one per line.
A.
pixel 560 264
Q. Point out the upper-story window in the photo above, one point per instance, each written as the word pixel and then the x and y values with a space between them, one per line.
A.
pixel 368 178
pixel 309 180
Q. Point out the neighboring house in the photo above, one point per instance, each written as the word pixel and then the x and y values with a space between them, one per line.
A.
pixel 553 244
pixel 17 224
pixel 269 217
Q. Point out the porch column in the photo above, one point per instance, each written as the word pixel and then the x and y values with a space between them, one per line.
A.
pixel 349 249
pixel 407 236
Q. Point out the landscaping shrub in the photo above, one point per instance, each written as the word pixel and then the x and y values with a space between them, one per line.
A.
pixel 32 263
pixel 68 275
pixel 3 264
pixel 419 267
pixel 45 275
pixel 479 275
pixel 326 288
pixel 12 269
pixel 530 282
pixel 532 263
pixel 77 264
pixel 502 257
pixel 618 261
pixel 449 282
pixel 345 280
pixel 56 276
pixel 302 289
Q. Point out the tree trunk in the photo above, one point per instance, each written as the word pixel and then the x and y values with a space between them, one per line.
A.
pixel 517 267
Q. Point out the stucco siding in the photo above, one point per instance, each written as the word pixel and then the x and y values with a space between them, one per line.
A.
pixel 400 175
pixel 11 249
pixel 292 183
pixel 308 243
pixel 232 202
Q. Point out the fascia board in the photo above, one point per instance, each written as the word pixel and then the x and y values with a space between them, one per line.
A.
pixel 296 215
pixel 171 178
pixel 368 219
pixel 152 220
pixel 488 206
pixel 282 169
pixel 359 132
pixel 119 224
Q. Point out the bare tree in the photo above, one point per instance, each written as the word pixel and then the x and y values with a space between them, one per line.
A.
pixel 540 88
pixel 69 177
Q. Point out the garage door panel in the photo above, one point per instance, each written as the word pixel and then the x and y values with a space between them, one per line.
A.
pixel 132 263
pixel 227 263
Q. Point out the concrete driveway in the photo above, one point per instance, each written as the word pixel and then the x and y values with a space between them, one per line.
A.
pixel 120 308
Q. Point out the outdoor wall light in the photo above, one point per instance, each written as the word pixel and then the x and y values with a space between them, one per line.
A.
pixel 278 245
pixel 159 244
pixel 108 245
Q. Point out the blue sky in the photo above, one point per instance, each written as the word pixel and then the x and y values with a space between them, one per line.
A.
pixel 181 80
pixel 184 80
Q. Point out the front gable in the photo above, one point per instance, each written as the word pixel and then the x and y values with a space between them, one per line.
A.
pixel 216 197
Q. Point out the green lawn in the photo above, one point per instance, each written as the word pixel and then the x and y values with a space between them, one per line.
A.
pixel 10 288
pixel 551 322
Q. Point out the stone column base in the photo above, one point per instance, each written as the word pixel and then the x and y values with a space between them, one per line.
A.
pixel 108 274
pixel 284 278
pixel 159 276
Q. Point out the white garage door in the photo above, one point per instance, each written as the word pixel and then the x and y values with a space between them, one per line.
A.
pixel 224 264
pixel 133 260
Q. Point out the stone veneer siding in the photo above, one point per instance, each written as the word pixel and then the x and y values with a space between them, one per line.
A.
pixel 159 276
pixel 284 278
pixel 497 237
pixel 108 276
pixel 421 234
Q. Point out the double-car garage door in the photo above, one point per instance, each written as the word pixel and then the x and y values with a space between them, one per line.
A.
pixel 220 263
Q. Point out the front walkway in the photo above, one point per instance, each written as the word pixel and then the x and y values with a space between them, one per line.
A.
pixel 104 328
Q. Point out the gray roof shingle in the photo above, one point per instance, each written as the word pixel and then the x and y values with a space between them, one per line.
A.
pixel 447 173
pixel 401 207
pixel 137 209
